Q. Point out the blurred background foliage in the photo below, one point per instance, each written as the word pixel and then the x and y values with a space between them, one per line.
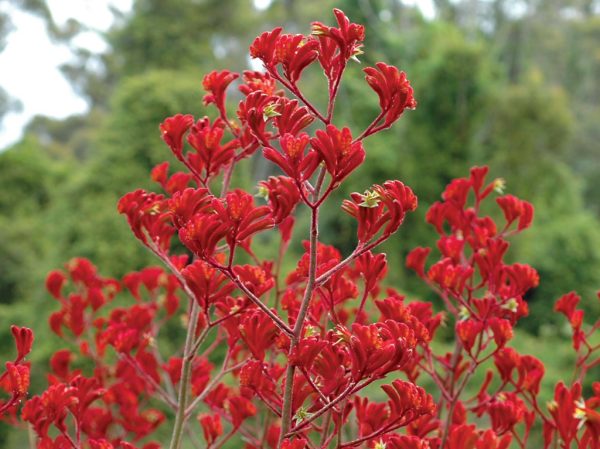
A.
pixel 509 83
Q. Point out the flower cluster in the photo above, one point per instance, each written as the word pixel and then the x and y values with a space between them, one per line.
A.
pixel 290 360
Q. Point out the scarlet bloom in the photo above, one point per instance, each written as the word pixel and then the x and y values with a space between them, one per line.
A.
pixel 294 162
pixel 282 194
pixel 462 437
pixel 373 268
pixel 405 442
pixel 241 216
pixel 514 209
pixel 240 409
pixel 449 276
pixel 216 83
pixel 379 348
pixel 259 332
pixel 567 304
pixel 347 36
pixel 563 410
pixel 210 154
pixel 467 331
pixel 18 379
pixel 394 91
pixel 298 443
pixel 295 52
pixel 255 111
pixel 208 284
pixel 54 283
pixel 211 427
pixel 416 260
pixel 506 412
pixel 184 205
pixel 291 118
pixel 175 183
pixel 264 47
pixel 173 130
pixel 385 205
pixel 50 408
pixel 202 233
pixel 341 155
pixel 407 402
pixel 501 329
pixel 23 340
pixel 144 211
pixel 254 81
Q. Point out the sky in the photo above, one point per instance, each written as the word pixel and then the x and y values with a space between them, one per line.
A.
pixel 29 65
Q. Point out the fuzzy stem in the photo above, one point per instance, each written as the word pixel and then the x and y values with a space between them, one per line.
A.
pixel 186 369
pixel 286 412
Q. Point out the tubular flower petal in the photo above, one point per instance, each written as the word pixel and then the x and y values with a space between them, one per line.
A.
pixel 394 91
pixel 340 154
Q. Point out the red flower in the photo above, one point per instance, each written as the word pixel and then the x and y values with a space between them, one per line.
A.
pixel 563 410
pixel 394 91
pixel 347 36
pixel 264 47
pixel 59 362
pixel 385 205
pixel 240 409
pixel 290 118
pixel 258 280
pixel 173 129
pixel 18 379
pixel 208 284
pixel 255 111
pixel 295 52
pixel 450 277
pixel 298 443
pixel 49 408
pixel 406 442
pixel 415 260
pixel 202 233
pixel 373 268
pixel 210 155
pixel 567 304
pixel 294 162
pixel 285 228
pixel 23 341
pixel 216 84
pixel 211 427
pixel 506 360
pixel 468 331
pixel 54 283
pixel 502 330
pixel 259 332
pixel 283 195
pixel 184 205
pixel 254 81
pixel 144 211
pixel 341 155
pixel 462 437
pixel 531 372
pixel 407 402
pixel 241 216
pixel 513 209
pixel 379 348
pixel 370 416
pixel 506 412
pixel 175 183
pixel 489 440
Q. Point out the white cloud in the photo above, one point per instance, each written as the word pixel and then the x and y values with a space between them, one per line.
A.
pixel 29 63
